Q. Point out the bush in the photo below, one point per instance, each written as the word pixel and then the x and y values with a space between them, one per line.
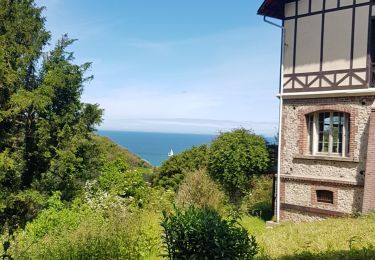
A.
pixel 80 232
pixel 202 234
pixel 258 202
pixel 197 189
pixel 235 157
pixel 117 183
pixel 173 170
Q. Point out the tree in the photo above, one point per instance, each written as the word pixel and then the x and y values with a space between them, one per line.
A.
pixel 235 157
pixel 45 130
pixel 173 170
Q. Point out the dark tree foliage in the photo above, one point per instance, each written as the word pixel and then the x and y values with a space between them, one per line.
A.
pixel 234 157
pixel 172 171
pixel 45 130
pixel 202 234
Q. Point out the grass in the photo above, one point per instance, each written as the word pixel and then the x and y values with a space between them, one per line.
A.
pixel 254 225
pixel 345 238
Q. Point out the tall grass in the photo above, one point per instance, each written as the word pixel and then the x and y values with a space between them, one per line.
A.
pixel 258 201
pixel 199 190
pixel 345 238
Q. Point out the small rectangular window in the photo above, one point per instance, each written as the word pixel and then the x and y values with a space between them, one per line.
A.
pixel 324 196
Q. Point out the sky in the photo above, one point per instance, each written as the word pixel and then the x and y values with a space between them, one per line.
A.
pixel 172 65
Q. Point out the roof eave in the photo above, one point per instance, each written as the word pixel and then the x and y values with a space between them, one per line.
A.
pixel 272 8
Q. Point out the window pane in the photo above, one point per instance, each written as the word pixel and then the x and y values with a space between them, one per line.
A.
pixel 324 131
pixel 332 132
pixel 337 131
pixel 311 132
pixel 324 196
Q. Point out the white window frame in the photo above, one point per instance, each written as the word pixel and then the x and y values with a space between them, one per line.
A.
pixel 313 136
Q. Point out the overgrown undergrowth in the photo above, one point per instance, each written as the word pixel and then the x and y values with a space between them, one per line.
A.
pixel 342 238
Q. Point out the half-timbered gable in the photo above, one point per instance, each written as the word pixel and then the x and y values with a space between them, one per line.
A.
pixel 326 45
pixel 327 107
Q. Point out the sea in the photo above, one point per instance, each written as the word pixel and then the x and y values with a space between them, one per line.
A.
pixel 154 147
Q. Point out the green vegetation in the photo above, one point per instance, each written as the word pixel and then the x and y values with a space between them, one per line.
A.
pixel 234 158
pixel 343 238
pixel 258 201
pixel 45 130
pixel 83 231
pixel 202 234
pixel 111 151
pixel 172 171
pixel 197 189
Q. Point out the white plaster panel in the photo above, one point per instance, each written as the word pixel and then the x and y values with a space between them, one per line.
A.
pixel 362 1
pixel 355 82
pixel 330 4
pixel 346 2
pixel 315 84
pixel 308 44
pixel 362 75
pixel 360 37
pixel 337 40
pixel 316 5
pixel 303 7
pixel 290 9
pixel 345 82
pixel 288 46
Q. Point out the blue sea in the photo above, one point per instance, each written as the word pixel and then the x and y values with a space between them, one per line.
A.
pixel 154 147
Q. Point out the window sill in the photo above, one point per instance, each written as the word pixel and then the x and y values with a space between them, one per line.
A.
pixel 326 158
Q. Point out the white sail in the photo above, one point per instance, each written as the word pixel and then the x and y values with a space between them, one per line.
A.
pixel 170 153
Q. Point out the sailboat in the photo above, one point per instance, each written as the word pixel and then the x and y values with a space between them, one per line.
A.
pixel 170 153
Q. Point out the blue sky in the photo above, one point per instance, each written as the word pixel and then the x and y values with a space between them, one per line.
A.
pixel 172 65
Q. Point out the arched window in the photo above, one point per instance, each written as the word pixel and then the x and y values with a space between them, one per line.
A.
pixel 329 133
pixel 324 196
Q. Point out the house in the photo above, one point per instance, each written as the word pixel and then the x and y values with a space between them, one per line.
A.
pixel 327 107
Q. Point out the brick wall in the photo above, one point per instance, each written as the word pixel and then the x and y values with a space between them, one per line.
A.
pixel 369 190
pixel 294 144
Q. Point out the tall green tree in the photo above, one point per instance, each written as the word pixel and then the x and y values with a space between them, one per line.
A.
pixel 234 158
pixel 45 129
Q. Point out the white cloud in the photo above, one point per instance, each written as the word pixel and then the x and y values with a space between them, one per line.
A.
pixel 187 125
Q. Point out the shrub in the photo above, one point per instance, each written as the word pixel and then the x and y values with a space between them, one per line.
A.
pixel 235 157
pixel 85 233
pixel 197 189
pixel 258 202
pixel 173 170
pixel 118 183
pixel 203 234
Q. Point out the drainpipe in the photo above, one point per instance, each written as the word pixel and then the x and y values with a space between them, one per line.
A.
pixel 280 114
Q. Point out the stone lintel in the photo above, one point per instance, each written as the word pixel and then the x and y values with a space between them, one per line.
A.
pixel 318 211
pixel 320 180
